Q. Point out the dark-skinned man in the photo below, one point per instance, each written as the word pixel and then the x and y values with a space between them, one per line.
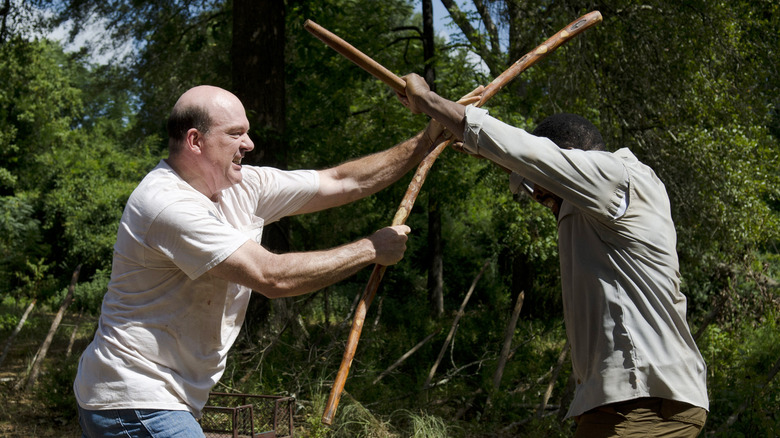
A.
pixel 638 370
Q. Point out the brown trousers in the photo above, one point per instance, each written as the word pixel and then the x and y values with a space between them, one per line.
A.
pixel 643 417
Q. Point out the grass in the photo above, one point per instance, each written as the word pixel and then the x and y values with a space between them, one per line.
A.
pixel 396 407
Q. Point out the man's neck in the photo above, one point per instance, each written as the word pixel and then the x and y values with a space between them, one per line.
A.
pixel 192 175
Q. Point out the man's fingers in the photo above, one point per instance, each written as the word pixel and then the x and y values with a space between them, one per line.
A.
pixel 473 97
pixel 433 131
pixel 458 146
pixel 406 102
pixel 402 229
pixel 468 101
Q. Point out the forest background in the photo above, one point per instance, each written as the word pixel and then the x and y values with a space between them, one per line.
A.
pixel 693 88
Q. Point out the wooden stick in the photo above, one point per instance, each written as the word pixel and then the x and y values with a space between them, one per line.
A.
pixel 341 46
pixel 405 356
pixel 454 327
pixel 508 335
pixel 553 379
pixel 356 56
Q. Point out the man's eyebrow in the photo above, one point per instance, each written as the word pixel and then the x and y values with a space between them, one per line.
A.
pixel 237 127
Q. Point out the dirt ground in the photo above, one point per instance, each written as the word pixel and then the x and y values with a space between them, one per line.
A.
pixel 23 416
pixel 33 413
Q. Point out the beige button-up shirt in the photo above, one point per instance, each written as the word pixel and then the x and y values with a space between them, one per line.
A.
pixel 624 313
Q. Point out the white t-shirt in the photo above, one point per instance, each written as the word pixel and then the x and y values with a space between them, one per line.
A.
pixel 624 312
pixel 165 328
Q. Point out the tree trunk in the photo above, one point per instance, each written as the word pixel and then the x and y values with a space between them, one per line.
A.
pixel 553 378
pixel 41 355
pixel 18 328
pixel 503 357
pixel 491 57
pixel 436 257
pixel 257 56
pixel 429 49
pixel 508 335
pixel 73 335
pixel 5 12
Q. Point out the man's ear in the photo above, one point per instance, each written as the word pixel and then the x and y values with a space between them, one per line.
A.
pixel 194 140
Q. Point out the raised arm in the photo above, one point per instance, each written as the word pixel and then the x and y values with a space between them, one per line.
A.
pixel 365 176
pixel 420 99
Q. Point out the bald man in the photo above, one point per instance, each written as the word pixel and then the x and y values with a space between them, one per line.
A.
pixel 188 255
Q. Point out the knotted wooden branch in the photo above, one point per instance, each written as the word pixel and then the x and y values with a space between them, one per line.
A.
pixel 399 85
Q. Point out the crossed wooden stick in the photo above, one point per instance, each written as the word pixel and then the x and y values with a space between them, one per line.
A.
pixel 399 85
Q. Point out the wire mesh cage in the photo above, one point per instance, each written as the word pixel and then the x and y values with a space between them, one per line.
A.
pixel 247 415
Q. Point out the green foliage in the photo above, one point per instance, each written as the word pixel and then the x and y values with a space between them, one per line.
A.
pixel 55 388
pixel 37 105
pixel 9 318
pixel 68 173
pixel 691 88
pixel 739 361
pixel 90 180
pixel 354 420
pixel 89 295
pixel 20 241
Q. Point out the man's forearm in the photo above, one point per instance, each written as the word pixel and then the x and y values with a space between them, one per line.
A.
pixel 292 274
pixel 377 171
pixel 301 273
pixel 450 114
pixel 365 176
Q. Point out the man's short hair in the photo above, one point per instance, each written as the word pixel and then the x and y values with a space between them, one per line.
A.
pixel 182 120
pixel 570 131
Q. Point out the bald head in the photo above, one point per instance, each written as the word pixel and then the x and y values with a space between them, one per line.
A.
pixel 196 108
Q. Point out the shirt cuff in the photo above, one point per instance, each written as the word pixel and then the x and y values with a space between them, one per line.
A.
pixel 516 183
pixel 474 119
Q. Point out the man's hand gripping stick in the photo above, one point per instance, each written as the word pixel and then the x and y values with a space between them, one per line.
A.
pixel 399 85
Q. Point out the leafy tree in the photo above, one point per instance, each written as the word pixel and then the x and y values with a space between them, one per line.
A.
pixel 36 107
pixel 691 88
pixel 66 172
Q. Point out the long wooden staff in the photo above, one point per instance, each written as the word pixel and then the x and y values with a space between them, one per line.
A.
pixel 399 85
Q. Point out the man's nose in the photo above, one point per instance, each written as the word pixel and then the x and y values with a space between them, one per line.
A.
pixel 247 144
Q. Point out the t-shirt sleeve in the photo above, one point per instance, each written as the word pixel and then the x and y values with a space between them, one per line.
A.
pixel 276 193
pixel 192 236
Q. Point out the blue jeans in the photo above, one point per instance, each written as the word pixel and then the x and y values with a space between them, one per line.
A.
pixel 138 423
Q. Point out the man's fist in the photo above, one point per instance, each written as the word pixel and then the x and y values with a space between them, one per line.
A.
pixel 390 244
